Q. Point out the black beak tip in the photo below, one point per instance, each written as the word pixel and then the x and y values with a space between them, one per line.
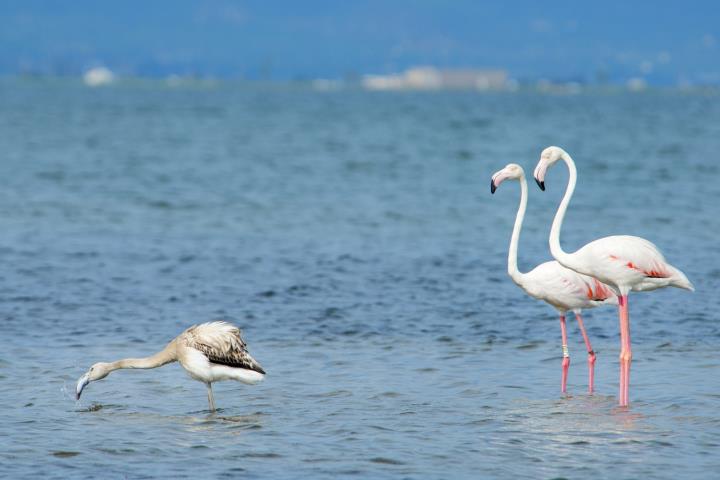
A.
pixel 492 186
pixel 540 184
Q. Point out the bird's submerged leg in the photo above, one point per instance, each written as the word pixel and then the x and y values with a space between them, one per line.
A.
pixel 211 400
pixel 566 355
pixel 625 351
pixel 591 354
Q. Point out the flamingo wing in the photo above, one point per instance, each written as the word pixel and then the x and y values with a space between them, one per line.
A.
pixel 222 344
pixel 635 255
pixel 629 262
pixel 566 289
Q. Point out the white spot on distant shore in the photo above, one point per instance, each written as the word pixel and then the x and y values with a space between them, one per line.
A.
pixel 636 84
pixel 98 76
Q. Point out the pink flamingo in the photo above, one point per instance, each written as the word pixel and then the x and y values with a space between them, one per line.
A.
pixel 562 288
pixel 623 262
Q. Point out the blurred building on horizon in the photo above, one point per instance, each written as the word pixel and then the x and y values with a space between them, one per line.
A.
pixel 432 78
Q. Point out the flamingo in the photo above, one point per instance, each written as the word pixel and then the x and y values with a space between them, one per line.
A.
pixel 623 262
pixel 560 287
pixel 209 352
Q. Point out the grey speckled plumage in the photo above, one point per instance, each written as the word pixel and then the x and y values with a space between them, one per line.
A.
pixel 222 343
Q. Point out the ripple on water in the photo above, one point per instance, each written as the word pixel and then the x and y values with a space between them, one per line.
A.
pixel 386 461
pixel 64 454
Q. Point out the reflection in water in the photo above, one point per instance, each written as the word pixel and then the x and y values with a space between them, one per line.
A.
pixel 232 424
pixel 582 418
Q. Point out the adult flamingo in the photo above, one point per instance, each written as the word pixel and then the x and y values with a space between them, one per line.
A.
pixel 623 262
pixel 561 287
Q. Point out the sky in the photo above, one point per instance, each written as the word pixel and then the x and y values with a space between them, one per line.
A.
pixel 664 42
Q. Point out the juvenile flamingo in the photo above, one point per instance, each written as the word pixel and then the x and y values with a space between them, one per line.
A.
pixel 562 288
pixel 622 262
pixel 209 352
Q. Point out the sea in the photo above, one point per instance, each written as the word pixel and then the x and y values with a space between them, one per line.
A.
pixel 353 238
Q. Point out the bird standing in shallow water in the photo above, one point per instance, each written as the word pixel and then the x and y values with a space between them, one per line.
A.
pixel 209 352
pixel 561 287
pixel 623 262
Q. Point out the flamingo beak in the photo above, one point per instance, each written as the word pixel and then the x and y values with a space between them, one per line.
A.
pixel 82 383
pixel 539 174
pixel 497 178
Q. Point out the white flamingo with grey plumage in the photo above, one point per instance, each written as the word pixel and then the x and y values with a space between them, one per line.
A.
pixel 209 352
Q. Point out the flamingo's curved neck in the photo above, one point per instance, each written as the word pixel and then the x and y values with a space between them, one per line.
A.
pixel 167 355
pixel 513 271
pixel 557 252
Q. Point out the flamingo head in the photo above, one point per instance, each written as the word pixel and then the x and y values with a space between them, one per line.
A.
pixel 548 157
pixel 96 372
pixel 511 171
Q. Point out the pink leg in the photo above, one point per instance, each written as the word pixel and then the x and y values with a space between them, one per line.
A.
pixel 566 355
pixel 591 354
pixel 625 351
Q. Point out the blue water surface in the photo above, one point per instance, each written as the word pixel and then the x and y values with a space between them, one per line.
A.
pixel 353 237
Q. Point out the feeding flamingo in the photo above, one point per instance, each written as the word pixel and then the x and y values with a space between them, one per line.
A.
pixel 623 262
pixel 561 287
pixel 209 352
